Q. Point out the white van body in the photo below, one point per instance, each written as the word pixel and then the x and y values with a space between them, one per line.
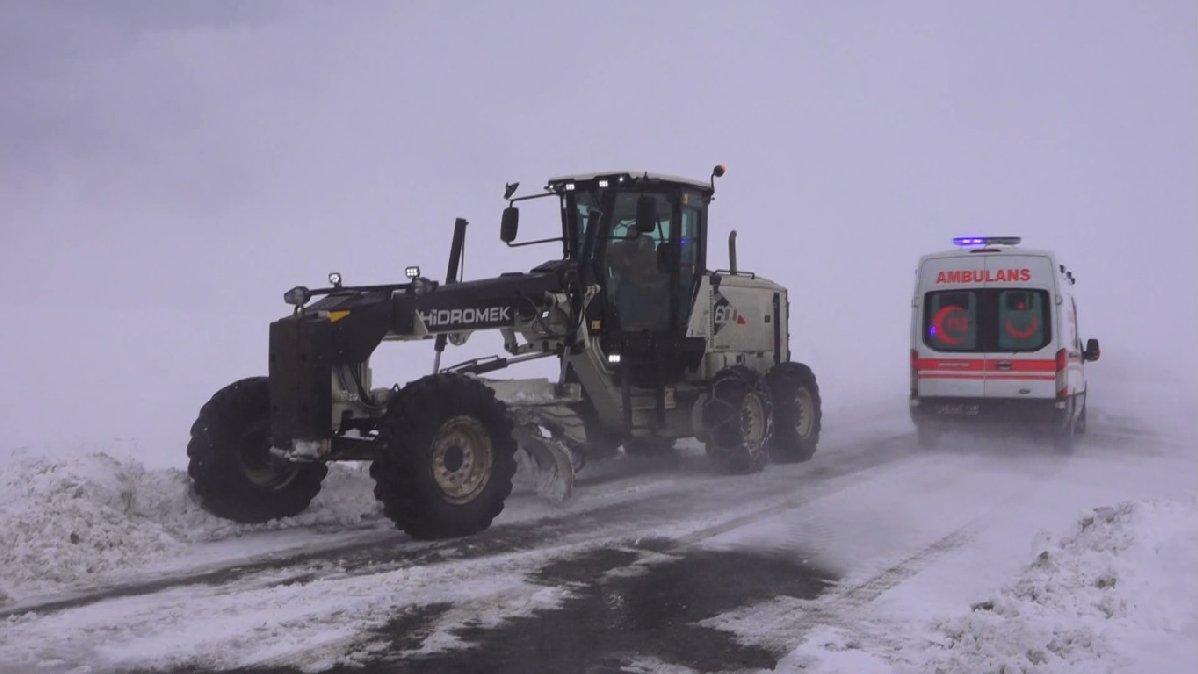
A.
pixel 994 336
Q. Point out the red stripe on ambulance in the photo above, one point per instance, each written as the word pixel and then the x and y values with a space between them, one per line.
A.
pixel 988 376
pixel 994 369
pixel 986 364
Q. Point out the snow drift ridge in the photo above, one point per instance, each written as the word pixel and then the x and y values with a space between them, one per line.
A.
pixel 70 520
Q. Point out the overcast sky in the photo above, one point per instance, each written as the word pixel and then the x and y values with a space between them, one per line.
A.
pixel 168 169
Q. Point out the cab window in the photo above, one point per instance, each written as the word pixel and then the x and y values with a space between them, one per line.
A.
pixel 623 224
pixel 584 216
pixel 636 284
pixel 688 244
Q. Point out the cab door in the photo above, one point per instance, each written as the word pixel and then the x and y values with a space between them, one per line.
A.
pixel 947 356
pixel 650 278
pixel 648 283
pixel 1074 375
pixel 638 278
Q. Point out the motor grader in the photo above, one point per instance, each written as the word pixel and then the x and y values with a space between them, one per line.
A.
pixel 652 347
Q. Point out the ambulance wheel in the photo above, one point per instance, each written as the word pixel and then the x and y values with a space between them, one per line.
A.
pixel 797 414
pixel 447 458
pixel 1065 435
pixel 648 446
pixel 1081 420
pixel 738 420
pixel 230 464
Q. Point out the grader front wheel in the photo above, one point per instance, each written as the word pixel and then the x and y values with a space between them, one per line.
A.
pixel 229 459
pixel 447 457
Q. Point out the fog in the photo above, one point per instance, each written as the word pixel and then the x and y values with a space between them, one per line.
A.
pixel 168 170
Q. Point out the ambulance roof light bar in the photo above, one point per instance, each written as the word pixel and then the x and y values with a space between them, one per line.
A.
pixel 986 240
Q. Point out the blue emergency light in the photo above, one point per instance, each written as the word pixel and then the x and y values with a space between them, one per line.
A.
pixel 986 240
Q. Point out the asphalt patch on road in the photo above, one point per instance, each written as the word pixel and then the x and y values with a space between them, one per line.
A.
pixel 643 611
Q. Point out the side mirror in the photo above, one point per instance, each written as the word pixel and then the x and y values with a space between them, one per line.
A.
pixel 1092 351
pixel 646 214
pixel 510 224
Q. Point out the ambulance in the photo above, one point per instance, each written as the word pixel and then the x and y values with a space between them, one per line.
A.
pixel 995 338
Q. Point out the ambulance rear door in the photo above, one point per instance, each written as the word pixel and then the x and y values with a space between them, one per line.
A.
pixel 948 359
pixel 1020 327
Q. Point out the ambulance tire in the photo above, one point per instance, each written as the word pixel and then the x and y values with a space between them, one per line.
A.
pixel 1081 420
pixel 1065 435
pixel 797 413
pixel 738 420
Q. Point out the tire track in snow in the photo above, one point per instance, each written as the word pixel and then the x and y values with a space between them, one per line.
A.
pixel 657 549
pixel 844 606
pixel 651 552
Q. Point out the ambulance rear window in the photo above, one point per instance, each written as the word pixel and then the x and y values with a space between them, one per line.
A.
pixel 1021 320
pixel 988 319
pixel 951 320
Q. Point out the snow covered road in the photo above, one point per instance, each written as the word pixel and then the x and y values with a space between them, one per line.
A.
pixel 867 558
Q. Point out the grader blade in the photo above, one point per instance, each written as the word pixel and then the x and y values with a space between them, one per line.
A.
pixel 547 463
pixel 546 429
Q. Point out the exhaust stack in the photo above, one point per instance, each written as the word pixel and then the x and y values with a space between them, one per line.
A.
pixel 732 252
pixel 456 247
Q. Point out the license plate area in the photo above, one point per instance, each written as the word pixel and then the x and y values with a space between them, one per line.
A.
pixel 958 409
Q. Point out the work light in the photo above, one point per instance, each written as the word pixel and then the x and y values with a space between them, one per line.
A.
pixel 297 296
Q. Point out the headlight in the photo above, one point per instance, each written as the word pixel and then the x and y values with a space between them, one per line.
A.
pixel 412 272
pixel 335 279
pixel 613 358
pixel 297 296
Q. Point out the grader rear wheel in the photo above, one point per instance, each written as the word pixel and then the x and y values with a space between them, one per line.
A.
pixel 739 420
pixel 797 412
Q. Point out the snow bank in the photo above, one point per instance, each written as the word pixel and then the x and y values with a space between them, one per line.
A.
pixel 74 520
pixel 1112 592
pixel 1116 593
